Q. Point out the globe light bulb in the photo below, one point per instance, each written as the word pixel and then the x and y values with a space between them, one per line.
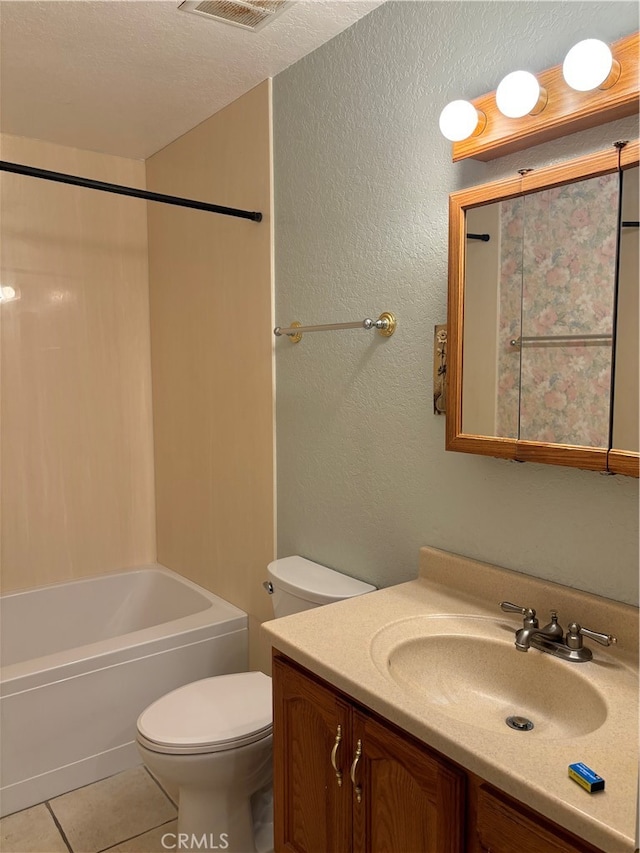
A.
pixel 519 94
pixel 459 120
pixel 590 65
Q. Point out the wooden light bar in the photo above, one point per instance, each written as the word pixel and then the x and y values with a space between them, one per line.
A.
pixel 567 111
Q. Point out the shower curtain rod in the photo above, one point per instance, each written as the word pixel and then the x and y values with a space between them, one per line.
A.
pixel 147 195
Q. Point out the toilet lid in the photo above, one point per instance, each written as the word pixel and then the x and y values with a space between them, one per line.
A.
pixel 224 712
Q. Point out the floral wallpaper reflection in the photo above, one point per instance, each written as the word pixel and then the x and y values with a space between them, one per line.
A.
pixel 557 278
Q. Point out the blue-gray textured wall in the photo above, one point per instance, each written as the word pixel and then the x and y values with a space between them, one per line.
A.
pixel 362 177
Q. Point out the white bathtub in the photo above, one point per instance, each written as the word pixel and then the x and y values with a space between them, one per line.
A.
pixel 81 660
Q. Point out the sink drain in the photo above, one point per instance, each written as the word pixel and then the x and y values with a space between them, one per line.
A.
pixel 520 724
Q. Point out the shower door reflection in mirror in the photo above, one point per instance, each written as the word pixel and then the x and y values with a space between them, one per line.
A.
pixel 551 256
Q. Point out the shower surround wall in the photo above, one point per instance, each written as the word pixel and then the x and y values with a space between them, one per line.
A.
pixel 362 177
pixel 79 484
pixel 76 428
pixel 212 354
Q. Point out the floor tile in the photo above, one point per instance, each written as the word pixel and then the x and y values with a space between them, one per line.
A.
pixel 150 842
pixel 31 831
pixel 170 788
pixel 113 810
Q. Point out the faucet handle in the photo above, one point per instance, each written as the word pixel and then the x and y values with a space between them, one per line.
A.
pixel 528 613
pixel 576 632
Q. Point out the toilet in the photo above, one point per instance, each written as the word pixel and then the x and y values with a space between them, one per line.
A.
pixel 212 738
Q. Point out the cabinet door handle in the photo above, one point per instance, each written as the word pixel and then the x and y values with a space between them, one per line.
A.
pixel 334 753
pixel 356 758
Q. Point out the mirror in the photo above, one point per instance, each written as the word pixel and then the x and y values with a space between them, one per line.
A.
pixel 543 315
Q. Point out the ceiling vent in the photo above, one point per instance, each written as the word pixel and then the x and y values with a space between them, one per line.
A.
pixel 248 14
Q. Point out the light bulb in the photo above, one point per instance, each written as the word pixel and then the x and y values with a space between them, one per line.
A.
pixel 590 65
pixel 519 94
pixel 460 119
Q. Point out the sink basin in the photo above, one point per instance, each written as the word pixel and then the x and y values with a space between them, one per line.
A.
pixel 469 669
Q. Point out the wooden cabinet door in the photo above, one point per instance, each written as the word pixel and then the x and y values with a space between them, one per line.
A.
pixel 405 798
pixel 312 806
pixel 503 825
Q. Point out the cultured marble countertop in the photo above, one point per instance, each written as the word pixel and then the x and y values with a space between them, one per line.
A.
pixel 336 642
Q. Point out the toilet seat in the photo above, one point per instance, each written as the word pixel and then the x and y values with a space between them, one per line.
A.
pixel 215 714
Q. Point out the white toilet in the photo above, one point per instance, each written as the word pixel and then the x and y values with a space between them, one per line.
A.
pixel 212 738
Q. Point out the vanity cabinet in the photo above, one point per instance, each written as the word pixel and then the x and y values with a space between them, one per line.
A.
pixel 344 780
pixel 347 780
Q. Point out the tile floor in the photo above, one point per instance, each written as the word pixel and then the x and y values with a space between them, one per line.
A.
pixel 126 813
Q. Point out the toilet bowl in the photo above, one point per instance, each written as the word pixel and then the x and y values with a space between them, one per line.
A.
pixel 212 738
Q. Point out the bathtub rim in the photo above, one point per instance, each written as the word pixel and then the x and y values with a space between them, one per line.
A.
pixel 66 664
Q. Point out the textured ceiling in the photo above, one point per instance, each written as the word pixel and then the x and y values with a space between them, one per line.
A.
pixel 127 77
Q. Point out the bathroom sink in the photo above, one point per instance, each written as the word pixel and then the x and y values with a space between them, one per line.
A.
pixel 469 669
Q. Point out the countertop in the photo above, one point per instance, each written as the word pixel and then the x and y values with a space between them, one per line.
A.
pixel 335 642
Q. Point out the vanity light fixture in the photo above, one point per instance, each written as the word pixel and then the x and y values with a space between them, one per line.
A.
pixel 590 65
pixel 460 119
pixel 519 94
pixel 528 110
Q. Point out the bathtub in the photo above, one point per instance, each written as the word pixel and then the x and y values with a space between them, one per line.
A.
pixel 81 660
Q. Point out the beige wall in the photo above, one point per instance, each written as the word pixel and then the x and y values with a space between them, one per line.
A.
pixel 77 455
pixel 481 297
pixel 211 345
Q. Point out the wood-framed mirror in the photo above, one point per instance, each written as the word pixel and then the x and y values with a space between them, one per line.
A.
pixel 543 315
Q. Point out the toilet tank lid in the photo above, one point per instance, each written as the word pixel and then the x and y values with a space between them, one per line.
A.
pixel 313 582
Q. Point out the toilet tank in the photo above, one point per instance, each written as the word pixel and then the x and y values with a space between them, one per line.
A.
pixel 299 584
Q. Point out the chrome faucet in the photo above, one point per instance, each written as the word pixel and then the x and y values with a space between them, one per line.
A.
pixel 551 638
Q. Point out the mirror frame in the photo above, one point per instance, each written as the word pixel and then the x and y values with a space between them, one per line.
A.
pixel 591 458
